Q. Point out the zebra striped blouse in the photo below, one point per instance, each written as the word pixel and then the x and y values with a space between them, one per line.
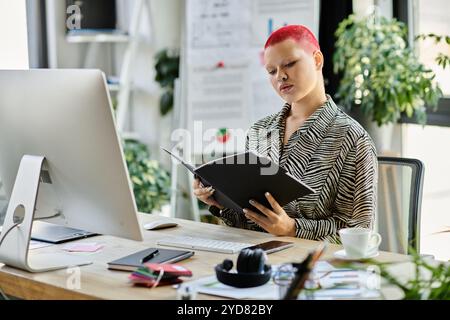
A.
pixel 331 153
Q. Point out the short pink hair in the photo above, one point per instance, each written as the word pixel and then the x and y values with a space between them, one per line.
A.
pixel 298 33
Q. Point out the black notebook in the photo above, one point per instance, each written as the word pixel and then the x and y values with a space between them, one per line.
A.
pixel 244 176
pixel 134 261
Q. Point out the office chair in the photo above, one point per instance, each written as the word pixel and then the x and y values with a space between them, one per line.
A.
pixel 400 185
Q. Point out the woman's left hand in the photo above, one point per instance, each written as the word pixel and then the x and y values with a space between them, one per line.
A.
pixel 276 221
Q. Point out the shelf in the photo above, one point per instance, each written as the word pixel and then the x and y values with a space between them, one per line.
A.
pixel 130 135
pixel 113 87
pixel 91 36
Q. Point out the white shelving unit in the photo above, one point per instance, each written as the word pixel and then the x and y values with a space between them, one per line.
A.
pixel 113 87
pixel 122 88
pixel 98 37
pixel 123 95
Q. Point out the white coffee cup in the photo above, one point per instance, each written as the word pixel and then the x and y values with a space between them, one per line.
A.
pixel 359 242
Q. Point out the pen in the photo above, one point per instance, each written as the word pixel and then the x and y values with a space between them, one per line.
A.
pixel 299 279
pixel 303 270
pixel 345 276
pixel 148 257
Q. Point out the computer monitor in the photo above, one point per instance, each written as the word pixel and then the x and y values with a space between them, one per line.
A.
pixel 66 116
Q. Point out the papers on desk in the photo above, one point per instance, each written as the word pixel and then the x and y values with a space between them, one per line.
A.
pixel 34 244
pixel 210 285
pixel 334 284
pixel 83 247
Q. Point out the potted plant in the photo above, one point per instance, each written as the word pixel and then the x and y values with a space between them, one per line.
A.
pixel 430 281
pixel 167 70
pixel 381 76
pixel 425 278
pixel 151 183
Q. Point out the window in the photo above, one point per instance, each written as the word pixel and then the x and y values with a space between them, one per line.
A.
pixel 433 16
pixel 13 35
pixel 425 17
pixel 429 143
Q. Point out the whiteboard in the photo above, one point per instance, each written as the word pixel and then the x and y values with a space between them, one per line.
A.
pixel 225 85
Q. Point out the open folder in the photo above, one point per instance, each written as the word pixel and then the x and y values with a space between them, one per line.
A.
pixel 244 176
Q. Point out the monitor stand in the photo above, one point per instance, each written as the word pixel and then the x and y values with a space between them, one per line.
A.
pixel 15 240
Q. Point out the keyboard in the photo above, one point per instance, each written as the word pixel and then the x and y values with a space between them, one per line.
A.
pixel 203 244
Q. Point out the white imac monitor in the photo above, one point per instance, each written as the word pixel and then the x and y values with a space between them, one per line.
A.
pixel 66 116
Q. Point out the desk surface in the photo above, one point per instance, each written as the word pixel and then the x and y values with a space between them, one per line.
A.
pixel 97 282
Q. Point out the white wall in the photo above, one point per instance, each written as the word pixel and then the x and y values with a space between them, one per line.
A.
pixel 161 30
pixel 13 35
pixel 363 7
pixel 13 50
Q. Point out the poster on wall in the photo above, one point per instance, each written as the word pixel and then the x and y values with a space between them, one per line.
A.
pixel 227 86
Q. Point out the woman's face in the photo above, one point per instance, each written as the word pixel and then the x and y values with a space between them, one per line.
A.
pixel 293 72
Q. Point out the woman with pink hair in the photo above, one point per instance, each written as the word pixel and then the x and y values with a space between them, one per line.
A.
pixel 315 141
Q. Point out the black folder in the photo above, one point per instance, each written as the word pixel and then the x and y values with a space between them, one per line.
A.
pixel 244 176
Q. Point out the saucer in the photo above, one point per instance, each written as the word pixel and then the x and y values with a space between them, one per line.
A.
pixel 341 254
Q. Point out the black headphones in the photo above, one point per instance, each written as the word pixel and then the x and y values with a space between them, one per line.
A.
pixel 251 269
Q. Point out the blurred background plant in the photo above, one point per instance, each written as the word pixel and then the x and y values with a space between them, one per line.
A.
pixel 431 279
pixel 167 70
pixel 380 74
pixel 441 59
pixel 151 182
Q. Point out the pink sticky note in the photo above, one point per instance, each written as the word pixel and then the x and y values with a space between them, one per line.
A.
pixel 83 247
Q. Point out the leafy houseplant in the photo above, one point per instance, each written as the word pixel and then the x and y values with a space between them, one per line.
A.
pixel 151 183
pixel 431 281
pixel 167 70
pixel 380 73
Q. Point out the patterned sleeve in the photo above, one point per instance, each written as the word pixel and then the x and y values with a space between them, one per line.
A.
pixel 356 197
pixel 366 181
pixel 233 218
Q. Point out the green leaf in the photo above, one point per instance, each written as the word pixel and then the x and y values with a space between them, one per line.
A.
pixel 151 183
pixel 167 70
pixel 166 102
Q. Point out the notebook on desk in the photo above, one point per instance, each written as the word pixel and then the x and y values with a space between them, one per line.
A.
pixel 135 260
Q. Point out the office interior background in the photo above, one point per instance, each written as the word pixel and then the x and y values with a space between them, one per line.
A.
pixel 150 49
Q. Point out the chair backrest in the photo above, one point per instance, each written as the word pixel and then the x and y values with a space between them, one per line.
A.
pixel 400 186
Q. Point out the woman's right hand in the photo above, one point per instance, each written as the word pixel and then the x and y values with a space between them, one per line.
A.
pixel 205 194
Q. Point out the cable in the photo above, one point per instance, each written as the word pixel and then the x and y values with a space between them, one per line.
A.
pixel 6 232
pixel 48 217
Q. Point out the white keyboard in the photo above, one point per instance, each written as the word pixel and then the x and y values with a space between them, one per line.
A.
pixel 203 244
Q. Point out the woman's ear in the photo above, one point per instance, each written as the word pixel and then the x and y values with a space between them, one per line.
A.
pixel 318 59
